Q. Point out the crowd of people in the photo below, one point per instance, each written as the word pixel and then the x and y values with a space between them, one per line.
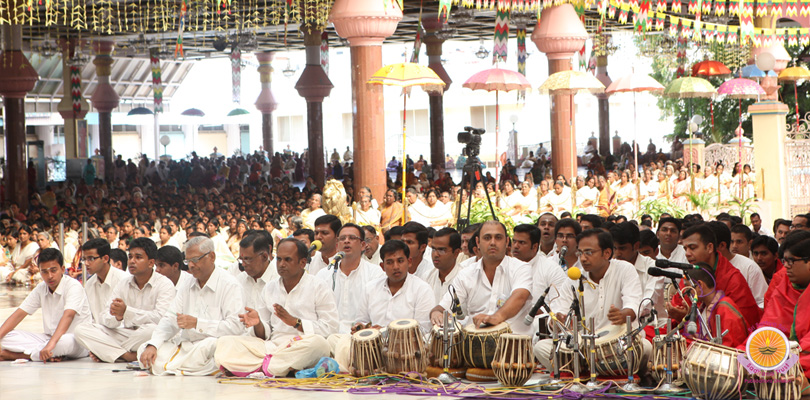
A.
pixel 222 264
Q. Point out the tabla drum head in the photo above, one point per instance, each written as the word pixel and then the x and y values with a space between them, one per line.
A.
pixel 403 324
pixel 366 335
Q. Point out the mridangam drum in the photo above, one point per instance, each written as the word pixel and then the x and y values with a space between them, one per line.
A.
pixel 406 350
pixel 712 372
pixel 611 359
pixel 436 353
pixel 480 344
pixel 366 353
pixel 787 386
pixel 513 363
pixel 659 359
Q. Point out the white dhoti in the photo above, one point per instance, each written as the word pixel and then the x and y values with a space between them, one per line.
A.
pixel 110 344
pixel 543 349
pixel 341 345
pixel 31 344
pixel 186 358
pixel 247 354
pixel 23 276
pixel 5 271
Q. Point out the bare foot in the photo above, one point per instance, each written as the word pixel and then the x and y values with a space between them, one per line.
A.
pixel 94 358
pixel 129 356
pixel 55 359
pixel 6 355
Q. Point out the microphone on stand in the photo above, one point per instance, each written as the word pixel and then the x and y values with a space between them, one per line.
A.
pixel 671 264
pixel 541 302
pixel 563 252
pixel 653 271
pixel 456 305
pixel 338 257
pixel 691 326
pixel 314 246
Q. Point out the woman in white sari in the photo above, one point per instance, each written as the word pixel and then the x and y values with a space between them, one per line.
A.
pixel 559 200
pixel 23 254
pixel 587 195
pixel 365 214
pixel 626 195
pixel 434 213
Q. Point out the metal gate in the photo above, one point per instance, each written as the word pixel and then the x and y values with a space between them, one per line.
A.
pixel 797 159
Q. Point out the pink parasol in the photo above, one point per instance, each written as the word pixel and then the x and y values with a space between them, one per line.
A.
pixel 498 80
pixel 740 88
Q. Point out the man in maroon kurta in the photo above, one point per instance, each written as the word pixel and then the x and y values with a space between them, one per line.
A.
pixel 713 302
pixel 700 243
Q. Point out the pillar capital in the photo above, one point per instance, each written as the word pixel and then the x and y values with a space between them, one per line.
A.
pixel 434 41
pixel 17 75
pixel 559 33
pixel 314 84
pixel 104 98
pixel 266 103
pixel 365 22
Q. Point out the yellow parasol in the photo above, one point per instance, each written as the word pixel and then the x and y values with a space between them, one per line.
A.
pixel 407 75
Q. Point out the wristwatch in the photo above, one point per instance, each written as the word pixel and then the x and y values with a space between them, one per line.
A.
pixel 297 324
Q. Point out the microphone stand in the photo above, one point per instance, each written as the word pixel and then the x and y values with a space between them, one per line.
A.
pixel 555 383
pixel 590 340
pixel 447 348
pixel 577 386
pixel 668 342
pixel 627 344
pixel 719 333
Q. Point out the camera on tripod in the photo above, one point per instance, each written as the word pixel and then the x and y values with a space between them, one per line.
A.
pixel 472 138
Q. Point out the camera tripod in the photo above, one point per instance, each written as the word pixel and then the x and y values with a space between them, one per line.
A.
pixel 472 169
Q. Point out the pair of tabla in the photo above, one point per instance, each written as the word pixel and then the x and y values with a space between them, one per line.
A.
pixel 495 353
pixel 403 351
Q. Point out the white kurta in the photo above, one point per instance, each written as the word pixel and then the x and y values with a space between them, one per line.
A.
pixel 440 288
pixel 413 300
pixel 348 289
pixel 98 293
pixel 252 288
pixel 620 287
pixel 753 275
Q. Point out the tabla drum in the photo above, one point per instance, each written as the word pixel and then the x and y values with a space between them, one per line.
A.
pixel 366 353
pixel 436 353
pixel 513 363
pixel 712 372
pixel 784 386
pixel 480 344
pixel 659 359
pixel 611 360
pixel 406 350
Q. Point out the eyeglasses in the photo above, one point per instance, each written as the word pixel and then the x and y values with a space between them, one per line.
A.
pixel 248 260
pixel 352 238
pixel 440 250
pixel 195 260
pixel 89 259
pixel 586 253
pixel 790 261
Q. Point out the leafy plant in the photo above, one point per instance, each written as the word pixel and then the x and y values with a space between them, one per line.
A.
pixel 480 212
pixel 742 208
pixel 702 202
pixel 657 207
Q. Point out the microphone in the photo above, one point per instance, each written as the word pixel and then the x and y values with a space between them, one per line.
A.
pixel 338 257
pixel 574 273
pixel 541 302
pixel 653 271
pixel 456 305
pixel 575 303
pixel 315 246
pixel 670 264
pixel 691 326
pixel 563 252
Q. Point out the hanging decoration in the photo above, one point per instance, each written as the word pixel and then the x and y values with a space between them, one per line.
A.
pixel 178 48
pixel 521 56
pixel 325 52
pixel 76 89
pixel 157 85
pixel 236 75
pixel 417 43
pixel 501 39
pixel 444 9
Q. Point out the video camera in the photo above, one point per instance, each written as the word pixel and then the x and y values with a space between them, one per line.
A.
pixel 472 138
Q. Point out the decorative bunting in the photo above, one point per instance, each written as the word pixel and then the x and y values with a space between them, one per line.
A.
pixel 236 75
pixel 706 7
pixel 776 11
pixel 178 48
pixel 501 39
pixel 676 7
pixel 641 20
pixel 792 10
pixel 720 7
pixel 76 89
pixel 157 85
pixel 521 55
pixel 734 8
pixel 444 9
pixel 762 8
pixel 624 9
pixel 680 56
pixel 417 44
pixel 747 19
pixel 661 5
pixel 325 52
pixel 804 9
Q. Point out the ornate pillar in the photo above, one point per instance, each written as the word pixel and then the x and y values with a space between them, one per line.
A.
pixel 105 99
pixel 604 106
pixel 560 34
pixel 75 126
pixel 769 125
pixel 17 78
pixel 434 40
pixel 366 23
pixel 314 85
pixel 266 103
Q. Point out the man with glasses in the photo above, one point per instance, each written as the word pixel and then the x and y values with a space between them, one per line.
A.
pixel 446 247
pixel 326 229
pixel 184 341
pixel 372 251
pixel 349 277
pixel 612 291
pixel 801 221
pixel 96 258
pixel 256 258
pixel 288 328
pixel 787 284
pixel 565 235
pixel 494 289
pixel 132 310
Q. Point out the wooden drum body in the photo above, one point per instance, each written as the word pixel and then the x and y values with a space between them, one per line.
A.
pixel 436 352
pixel 712 372
pixel 786 386
pixel 610 360
pixel 366 353
pixel 513 363
pixel 480 344
pixel 659 359
pixel 406 350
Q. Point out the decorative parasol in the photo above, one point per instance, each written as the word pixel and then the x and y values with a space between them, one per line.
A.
pixel 635 83
pixel 740 88
pixel 571 83
pixel 752 71
pixel 193 112
pixel 794 75
pixel 689 87
pixel 710 68
pixel 407 75
pixel 498 80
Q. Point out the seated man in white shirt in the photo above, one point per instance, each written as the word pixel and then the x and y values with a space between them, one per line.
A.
pixel 201 312
pixel 446 246
pixel 757 227
pixel 256 260
pixel 545 272
pixel 96 258
pixel 648 244
pixel 372 251
pixel 348 279
pixel 326 230
pixel 669 232
pixel 546 223
pixel 296 312
pixel 612 291
pixel 118 259
pixel 64 306
pixel 494 289
pixel 169 263
pixel 415 235
pixel 132 310
pixel 398 295
pixel 741 238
